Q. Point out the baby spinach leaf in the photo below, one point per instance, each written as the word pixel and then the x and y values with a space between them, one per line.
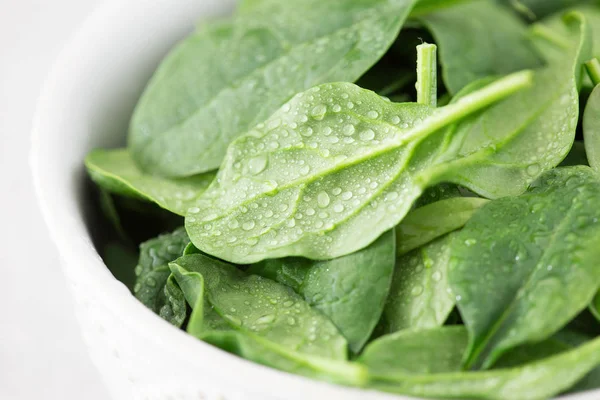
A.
pixel 350 290
pixel 541 8
pixel 335 160
pixel 502 156
pixel 424 7
pixel 416 351
pixel 524 266
pixel 154 287
pixel 424 224
pixel 263 307
pixel 115 171
pixel 261 320
pixel 420 296
pixel 226 78
pixel 470 49
pixel 441 348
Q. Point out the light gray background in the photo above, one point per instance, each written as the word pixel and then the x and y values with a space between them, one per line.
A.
pixel 41 352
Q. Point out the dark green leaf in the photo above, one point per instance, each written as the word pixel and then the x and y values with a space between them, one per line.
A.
pixel 420 296
pixel 432 221
pixel 503 155
pixel 261 320
pixel 470 49
pixel 440 349
pixel 591 129
pixel 350 290
pixel 224 79
pixel 525 266
pixel 154 287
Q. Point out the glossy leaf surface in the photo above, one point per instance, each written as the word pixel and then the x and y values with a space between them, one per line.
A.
pixel 520 259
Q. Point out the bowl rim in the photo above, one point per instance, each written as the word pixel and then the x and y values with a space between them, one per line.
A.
pixel 75 247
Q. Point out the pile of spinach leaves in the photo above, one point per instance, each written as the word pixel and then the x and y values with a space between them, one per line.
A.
pixel 317 214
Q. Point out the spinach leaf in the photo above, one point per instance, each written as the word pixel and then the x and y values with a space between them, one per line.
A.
pixel 350 290
pixel 420 296
pixel 335 160
pixel 154 286
pixel 261 320
pixel 542 8
pixel 427 223
pixel 424 7
pixel 502 156
pixel 520 259
pixel 441 349
pixel 115 171
pixel 416 351
pixel 470 49
pixel 591 118
pixel 226 78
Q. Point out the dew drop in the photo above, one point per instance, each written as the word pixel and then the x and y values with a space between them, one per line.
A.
pixel 291 320
pixel 266 319
pixel 256 165
pixel 533 170
pixel 336 191
pixel 310 211
pixel 193 210
pixel 367 135
pixel 323 199
pixel 416 291
pixel 248 225
pixel 346 195
pixel 318 112
pixel 373 114
pixel 338 208
pixel 395 120
pixel 233 319
pixel 436 276
pixel 348 130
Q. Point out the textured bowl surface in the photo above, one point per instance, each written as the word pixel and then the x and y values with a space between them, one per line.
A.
pixel 86 103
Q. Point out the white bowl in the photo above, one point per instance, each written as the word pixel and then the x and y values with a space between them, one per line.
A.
pixel 86 103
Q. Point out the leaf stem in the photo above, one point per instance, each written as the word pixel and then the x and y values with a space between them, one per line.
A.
pixel 470 104
pixel 593 70
pixel 427 74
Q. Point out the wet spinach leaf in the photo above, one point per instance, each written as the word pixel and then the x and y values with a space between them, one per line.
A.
pixel 334 160
pixel 225 78
pixel 520 259
pixel 591 118
pixel 154 287
pixel 439 350
pixel 470 50
pixel 115 171
pixel 261 320
pixel 420 296
pixel 502 156
pixel 350 290
pixel 427 223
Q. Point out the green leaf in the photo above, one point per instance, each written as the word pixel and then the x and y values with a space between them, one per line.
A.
pixel 115 171
pixel 502 156
pixel 541 8
pixel 441 348
pixel 416 351
pixel 260 306
pixel 226 78
pixel 591 117
pixel 335 160
pixel 350 290
pixel 262 321
pixel 523 267
pixel 424 7
pixel 470 49
pixel 154 287
pixel 420 296
pixel 427 223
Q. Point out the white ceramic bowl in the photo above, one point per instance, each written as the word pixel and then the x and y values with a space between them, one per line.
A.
pixel 86 103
